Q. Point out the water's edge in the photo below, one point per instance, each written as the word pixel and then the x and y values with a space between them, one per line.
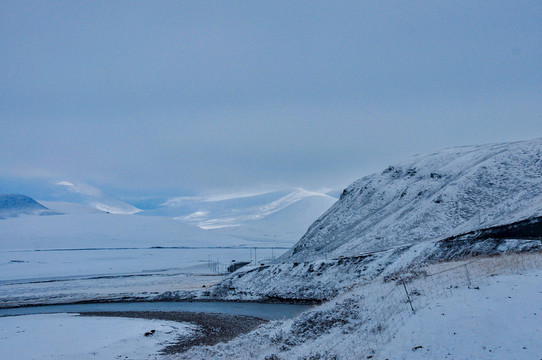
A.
pixel 266 311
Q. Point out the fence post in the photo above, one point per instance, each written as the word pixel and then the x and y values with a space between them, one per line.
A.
pixel 407 295
pixel 468 277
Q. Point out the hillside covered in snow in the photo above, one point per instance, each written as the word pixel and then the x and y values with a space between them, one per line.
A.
pixel 430 197
pixel 453 204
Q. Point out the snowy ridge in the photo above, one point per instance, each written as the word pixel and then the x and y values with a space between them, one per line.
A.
pixel 284 226
pixel 94 197
pixel 270 217
pixel 237 217
pixel 430 197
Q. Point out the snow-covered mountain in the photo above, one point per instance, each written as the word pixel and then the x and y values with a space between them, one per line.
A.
pixel 47 189
pixel 430 197
pixel 280 216
pixel 93 197
pixel 285 225
pixel 13 205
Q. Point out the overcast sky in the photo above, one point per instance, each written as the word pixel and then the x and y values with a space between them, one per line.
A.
pixel 197 96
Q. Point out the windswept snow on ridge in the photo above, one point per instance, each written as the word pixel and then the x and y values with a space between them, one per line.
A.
pixel 90 195
pixel 206 220
pixel 430 197
pixel 274 217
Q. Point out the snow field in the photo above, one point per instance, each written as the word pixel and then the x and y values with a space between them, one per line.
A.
pixel 31 277
pixel 70 336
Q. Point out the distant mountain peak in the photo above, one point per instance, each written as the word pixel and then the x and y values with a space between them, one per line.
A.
pixel 13 205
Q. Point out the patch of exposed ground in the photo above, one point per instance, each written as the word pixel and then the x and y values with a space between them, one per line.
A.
pixel 212 328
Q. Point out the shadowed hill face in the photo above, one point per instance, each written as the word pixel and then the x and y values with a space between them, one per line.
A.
pixel 19 202
pixel 430 197
pixel 15 204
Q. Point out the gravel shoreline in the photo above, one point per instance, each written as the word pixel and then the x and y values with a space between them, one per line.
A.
pixel 213 328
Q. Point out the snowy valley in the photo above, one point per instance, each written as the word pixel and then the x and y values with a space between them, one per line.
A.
pixel 94 246
pixel 448 230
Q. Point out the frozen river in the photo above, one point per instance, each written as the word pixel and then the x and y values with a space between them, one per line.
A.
pixel 260 310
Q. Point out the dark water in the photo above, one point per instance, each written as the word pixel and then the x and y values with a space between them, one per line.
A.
pixel 264 311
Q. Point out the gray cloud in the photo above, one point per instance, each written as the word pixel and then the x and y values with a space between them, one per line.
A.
pixel 145 95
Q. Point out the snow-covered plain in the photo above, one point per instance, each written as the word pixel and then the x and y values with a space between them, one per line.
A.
pixel 82 229
pixel 70 336
pixel 76 275
pixel 85 254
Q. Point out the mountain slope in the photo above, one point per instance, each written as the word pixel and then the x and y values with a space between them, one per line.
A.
pixel 285 225
pixel 12 205
pixel 278 217
pixel 430 197
pixel 93 197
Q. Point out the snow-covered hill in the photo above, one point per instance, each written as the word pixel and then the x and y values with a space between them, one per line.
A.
pixel 285 225
pixel 93 197
pixel 47 189
pixel 274 217
pixel 468 201
pixel 430 197
pixel 13 205
pixel 479 314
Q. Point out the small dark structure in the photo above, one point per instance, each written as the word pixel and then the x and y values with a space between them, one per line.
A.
pixel 237 265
